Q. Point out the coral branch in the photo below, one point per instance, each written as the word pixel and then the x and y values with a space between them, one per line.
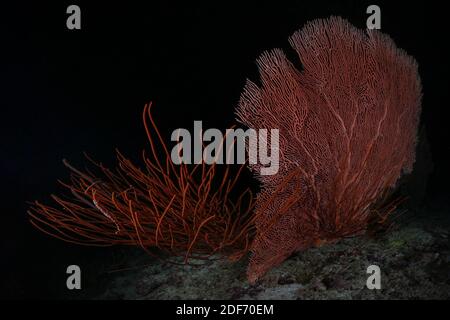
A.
pixel 177 209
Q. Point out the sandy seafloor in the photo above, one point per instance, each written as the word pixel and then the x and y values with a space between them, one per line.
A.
pixel 414 259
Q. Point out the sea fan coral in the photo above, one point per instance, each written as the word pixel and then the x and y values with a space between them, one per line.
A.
pixel 182 210
pixel 348 124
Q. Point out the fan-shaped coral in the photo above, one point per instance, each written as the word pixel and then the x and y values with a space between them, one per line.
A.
pixel 348 124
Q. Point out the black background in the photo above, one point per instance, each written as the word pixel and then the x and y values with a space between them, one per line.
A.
pixel 68 91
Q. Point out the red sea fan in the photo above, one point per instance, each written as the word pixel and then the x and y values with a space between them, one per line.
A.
pixel 348 124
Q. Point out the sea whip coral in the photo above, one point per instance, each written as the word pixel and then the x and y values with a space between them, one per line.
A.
pixel 182 210
pixel 348 124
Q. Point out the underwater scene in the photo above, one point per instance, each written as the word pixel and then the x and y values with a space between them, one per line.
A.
pixel 256 152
